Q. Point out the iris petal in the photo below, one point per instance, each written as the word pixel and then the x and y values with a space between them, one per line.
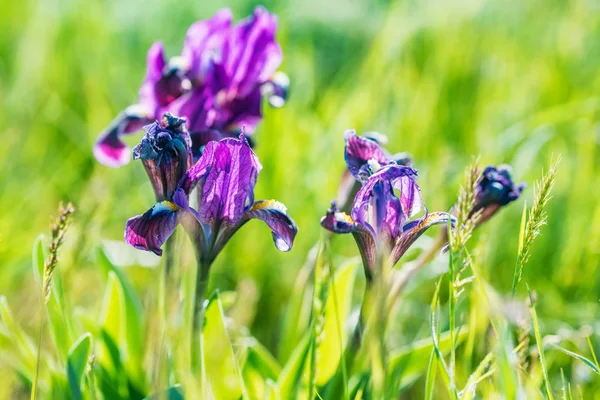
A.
pixel 225 176
pixel 274 214
pixel 150 230
pixel 413 230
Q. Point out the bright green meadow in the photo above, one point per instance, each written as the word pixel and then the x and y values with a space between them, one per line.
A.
pixel 447 81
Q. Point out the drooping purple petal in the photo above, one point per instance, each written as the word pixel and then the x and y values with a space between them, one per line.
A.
pixel 150 230
pixel 109 149
pixel 413 230
pixel 274 214
pixel 359 151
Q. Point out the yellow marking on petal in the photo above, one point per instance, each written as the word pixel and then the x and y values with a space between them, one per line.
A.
pixel 164 206
pixel 340 216
pixel 273 204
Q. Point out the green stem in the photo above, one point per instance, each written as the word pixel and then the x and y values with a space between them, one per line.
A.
pixel 201 286
pixel 452 327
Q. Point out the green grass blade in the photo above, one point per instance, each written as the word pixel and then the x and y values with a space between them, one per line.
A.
pixel 579 357
pixel 77 362
pixel 538 339
pixel 222 369
pixel 431 374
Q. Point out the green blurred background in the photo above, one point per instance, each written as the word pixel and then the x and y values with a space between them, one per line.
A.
pixel 513 82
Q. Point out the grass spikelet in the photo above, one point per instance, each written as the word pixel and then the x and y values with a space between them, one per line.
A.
pixel 465 219
pixel 536 218
pixel 59 228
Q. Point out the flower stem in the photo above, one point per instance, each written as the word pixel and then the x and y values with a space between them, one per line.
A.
pixel 201 286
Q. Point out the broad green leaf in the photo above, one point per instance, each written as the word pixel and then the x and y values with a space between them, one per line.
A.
pixel 290 380
pixel 579 357
pixel 337 310
pixel 408 363
pixel 220 363
pixel 77 362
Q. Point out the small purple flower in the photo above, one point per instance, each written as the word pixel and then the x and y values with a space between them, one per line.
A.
pixel 216 84
pixel 381 219
pixel 165 151
pixel 495 189
pixel 223 178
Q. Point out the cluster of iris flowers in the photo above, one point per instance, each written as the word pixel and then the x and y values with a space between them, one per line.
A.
pixel 199 110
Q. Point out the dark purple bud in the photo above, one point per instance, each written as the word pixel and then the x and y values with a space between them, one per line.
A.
pixel 165 151
pixel 494 190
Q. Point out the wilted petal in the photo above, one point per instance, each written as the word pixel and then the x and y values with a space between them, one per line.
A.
pixel 109 149
pixel 413 230
pixel 166 153
pixel 150 230
pixel 359 151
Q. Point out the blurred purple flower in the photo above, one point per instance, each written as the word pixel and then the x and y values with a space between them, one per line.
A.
pixel 216 84
pixel 380 219
pixel 495 189
pixel 224 178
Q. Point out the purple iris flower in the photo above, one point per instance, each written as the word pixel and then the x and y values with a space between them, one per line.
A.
pixel 223 178
pixel 217 83
pixel 495 189
pixel 383 210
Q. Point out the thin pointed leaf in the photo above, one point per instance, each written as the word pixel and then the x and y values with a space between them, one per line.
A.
pixel 220 363
pixel 76 363
pixel 579 357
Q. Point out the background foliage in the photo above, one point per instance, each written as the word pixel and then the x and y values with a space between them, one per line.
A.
pixel 514 82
